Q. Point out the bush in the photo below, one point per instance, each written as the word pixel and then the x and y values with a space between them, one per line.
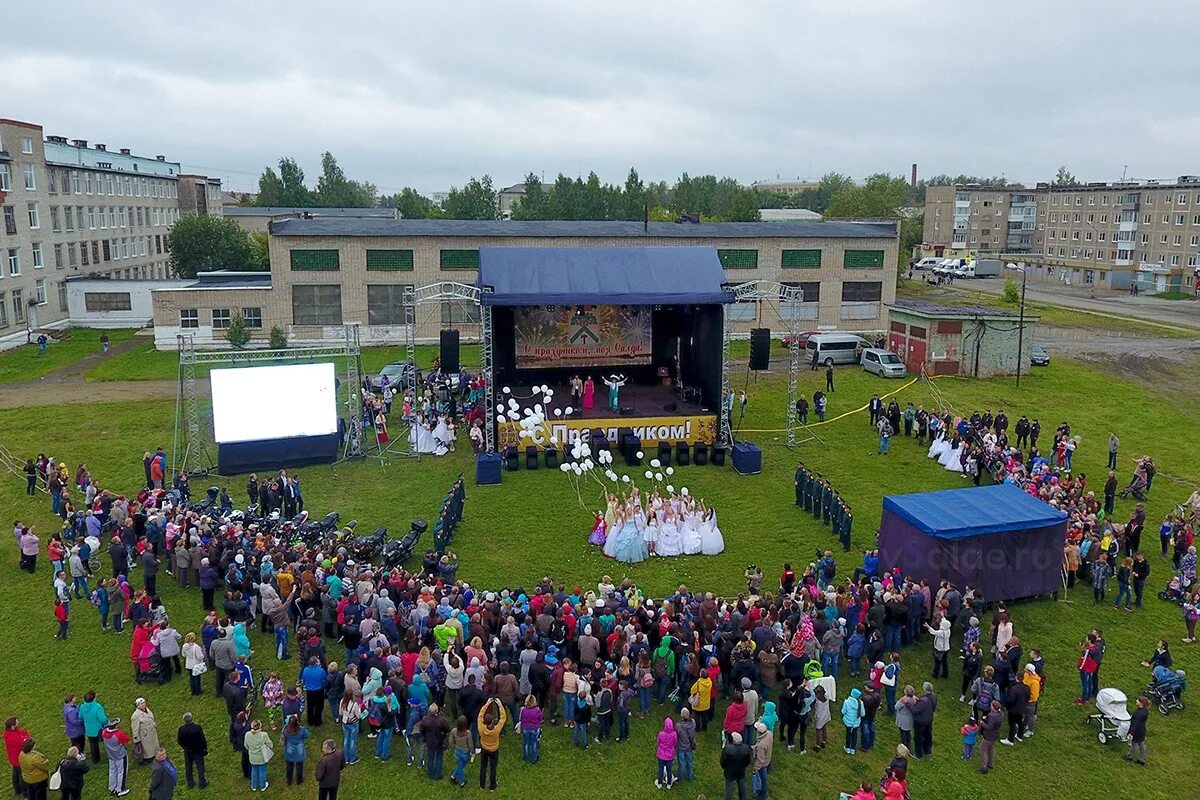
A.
pixel 237 334
pixel 1012 293
pixel 278 338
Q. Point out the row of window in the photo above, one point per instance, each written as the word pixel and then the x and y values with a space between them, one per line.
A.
pixel 1140 256
pixel 18 302
pixel 1175 240
pixel 454 259
pixel 220 317
pixel 87 253
pixel 65 218
pixel 1178 197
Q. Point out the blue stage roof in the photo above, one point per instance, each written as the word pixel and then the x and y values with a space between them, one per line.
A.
pixel 534 276
pixel 976 511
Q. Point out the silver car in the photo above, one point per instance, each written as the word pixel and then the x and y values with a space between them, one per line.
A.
pixel 883 363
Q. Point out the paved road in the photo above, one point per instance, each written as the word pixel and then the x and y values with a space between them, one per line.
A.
pixel 1101 301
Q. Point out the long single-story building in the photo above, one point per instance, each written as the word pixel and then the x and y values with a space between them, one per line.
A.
pixel 958 340
pixel 327 272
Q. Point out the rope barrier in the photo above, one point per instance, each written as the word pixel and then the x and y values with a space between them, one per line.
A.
pixel 843 415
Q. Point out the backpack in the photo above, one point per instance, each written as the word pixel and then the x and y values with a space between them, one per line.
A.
pixel 659 666
pixel 987 690
pixel 95 598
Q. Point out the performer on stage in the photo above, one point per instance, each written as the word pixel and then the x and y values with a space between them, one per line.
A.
pixel 589 393
pixel 576 391
pixel 614 391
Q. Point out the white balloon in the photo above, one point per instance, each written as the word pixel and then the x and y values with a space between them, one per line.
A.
pixel 684 491
pixel 578 469
pixel 649 474
pixel 500 407
pixel 537 409
pixel 506 390
pixel 549 393
pixel 569 409
pixel 670 488
pixel 656 463
pixel 553 440
pixel 514 416
pixel 625 478
pixel 588 463
pixel 640 454
pixel 514 405
pixel 565 467
pixel 658 476
pixel 670 470
pixel 558 412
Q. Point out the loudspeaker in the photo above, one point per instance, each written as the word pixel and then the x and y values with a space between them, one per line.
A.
pixel 449 352
pixel 670 407
pixel 627 411
pixel 760 348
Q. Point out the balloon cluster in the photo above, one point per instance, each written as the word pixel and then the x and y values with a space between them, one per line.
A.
pixel 532 418
pixel 585 464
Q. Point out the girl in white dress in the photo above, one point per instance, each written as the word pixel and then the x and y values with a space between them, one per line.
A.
pixel 652 532
pixel 615 527
pixel 690 529
pixel 670 539
pixel 710 535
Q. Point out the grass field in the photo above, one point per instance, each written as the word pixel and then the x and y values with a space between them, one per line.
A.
pixel 532 525
pixel 26 363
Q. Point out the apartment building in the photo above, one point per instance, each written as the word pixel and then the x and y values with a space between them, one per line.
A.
pixel 73 208
pixel 1094 234
pixel 326 272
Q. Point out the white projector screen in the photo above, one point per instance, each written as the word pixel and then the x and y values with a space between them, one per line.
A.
pixel 254 403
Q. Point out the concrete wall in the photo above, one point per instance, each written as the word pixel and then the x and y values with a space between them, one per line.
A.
pixel 169 302
pixel 140 313
pixel 950 344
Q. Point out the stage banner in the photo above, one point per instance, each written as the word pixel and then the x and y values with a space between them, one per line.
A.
pixel 579 336
pixel 651 430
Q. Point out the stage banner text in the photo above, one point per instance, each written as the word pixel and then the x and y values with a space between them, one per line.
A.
pixel 651 430
pixel 580 336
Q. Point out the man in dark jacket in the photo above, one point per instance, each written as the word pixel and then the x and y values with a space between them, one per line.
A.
pixel 194 745
pixel 72 769
pixel 922 714
pixel 150 571
pixel 988 735
pixel 234 693
pixel 1137 731
pixel 471 699
pixel 119 556
pixel 163 777
pixel 1016 700
pixel 329 771
pixel 735 758
pixel 435 730
pixel 871 701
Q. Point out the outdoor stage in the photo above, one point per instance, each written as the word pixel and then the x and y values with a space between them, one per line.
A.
pixel 653 412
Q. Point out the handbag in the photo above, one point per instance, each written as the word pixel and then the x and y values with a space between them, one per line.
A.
pixel 56 779
pixel 138 753
pixel 200 668
pixel 693 699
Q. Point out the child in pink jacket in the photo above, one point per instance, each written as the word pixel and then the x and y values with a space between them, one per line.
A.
pixel 666 754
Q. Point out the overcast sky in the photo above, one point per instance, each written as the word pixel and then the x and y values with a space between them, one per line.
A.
pixel 432 94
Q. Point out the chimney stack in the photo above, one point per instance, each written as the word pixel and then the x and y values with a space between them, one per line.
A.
pixel 914 176
pixel 161 158
pixel 101 147
pixel 124 151
pixel 79 142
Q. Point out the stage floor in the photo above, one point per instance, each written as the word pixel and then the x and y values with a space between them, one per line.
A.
pixel 635 401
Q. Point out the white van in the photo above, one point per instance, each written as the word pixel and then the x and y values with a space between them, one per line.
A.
pixel 835 348
pixel 929 262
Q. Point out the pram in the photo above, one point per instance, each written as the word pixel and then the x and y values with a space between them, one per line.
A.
pixel 1167 688
pixel 1175 591
pixel 156 672
pixel 1112 714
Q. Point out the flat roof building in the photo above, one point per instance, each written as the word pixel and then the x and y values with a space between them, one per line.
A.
pixel 958 340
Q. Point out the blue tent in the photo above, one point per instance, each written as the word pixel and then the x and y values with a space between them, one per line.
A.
pixel 997 538
pixel 532 276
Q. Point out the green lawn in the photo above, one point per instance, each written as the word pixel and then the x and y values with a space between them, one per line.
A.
pixel 26 363
pixel 533 525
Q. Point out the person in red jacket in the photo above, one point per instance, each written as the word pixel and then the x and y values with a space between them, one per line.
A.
pixel 14 738
pixel 735 715
pixel 60 614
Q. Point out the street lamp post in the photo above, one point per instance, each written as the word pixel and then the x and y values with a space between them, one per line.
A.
pixel 1021 328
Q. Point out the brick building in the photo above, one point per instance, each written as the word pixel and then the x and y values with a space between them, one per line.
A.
pixel 958 340
pixel 326 272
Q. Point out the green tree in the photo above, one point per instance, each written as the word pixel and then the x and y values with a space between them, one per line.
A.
pixel 270 189
pixel 1065 178
pixel 200 243
pixel 879 196
pixel 278 339
pixel 260 251
pixel 633 196
pixel 536 202
pixel 912 232
pixel 1012 292
pixel 294 193
pixel 335 190
pixel 237 334
pixel 476 200
pixel 409 203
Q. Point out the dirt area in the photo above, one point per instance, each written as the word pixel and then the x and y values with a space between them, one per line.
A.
pixel 1167 365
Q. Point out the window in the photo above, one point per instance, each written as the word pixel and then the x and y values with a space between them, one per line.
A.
pixel 54 223
pixel 385 304
pixel 461 259
pixel 389 260
pixel 83 253
pixel 189 318
pixel 1195 242
pixel 220 317
pixel 1182 199
pixel 315 260
pixel 1179 218
pixel 62 296
pixel 801 259
pixel 1166 219
pixel 108 301
pixel 3 310
pixel 317 305
pixel 39 289
pixel 253 317
pixel 1145 238
pixel 1103 219
pixel 106 247
pixel 862 291
pixel 75 182
pixel 10 221
pixel 26 145
pixel 58 256
pixel 30 178
pixel 1178 240
pixel 5 178
pixel 1162 239
pixel 95 252
pixel 459 312
pixel 14 261
pixel 1146 218
pixel 1196 219
pixel 18 305
pixel 38 259
pixel 866 259
pixel 1174 261
pixel 1091 200
pixel 35 217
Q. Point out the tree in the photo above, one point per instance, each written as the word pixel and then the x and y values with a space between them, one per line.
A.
pixel 409 203
pixel 260 252
pixel 476 200
pixel 335 190
pixel 535 204
pixel 237 334
pixel 1065 178
pixel 278 340
pixel 200 243
pixel 879 196
pixel 270 189
pixel 633 196
pixel 294 192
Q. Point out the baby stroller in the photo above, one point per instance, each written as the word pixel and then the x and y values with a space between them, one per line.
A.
pixel 156 671
pixel 1112 714
pixel 1175 591
pixel 1167 688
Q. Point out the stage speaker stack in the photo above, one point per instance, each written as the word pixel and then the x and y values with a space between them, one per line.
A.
pixel 747 459
pixel 449 352
pixel 760 348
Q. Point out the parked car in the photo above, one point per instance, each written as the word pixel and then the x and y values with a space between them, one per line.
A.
pixel 397 373
pixel 883 363
pixel 835 348
pixel 980 268
pixel 801 339
pixel 929 262
pixel 1038 357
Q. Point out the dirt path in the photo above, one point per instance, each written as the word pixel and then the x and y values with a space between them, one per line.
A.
pixel 69 384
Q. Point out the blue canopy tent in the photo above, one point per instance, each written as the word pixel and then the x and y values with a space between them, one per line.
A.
pixel 999 539
pixel 534 276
